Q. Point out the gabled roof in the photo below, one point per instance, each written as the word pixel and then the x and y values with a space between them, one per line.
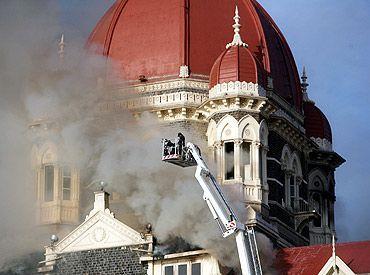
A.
pixel 99 230
pixel 309 260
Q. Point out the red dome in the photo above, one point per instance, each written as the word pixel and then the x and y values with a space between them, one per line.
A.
pixel 316 123
pixel 235 64
pixel 154 38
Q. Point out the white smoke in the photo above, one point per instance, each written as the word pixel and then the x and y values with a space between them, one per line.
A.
pixel 119 149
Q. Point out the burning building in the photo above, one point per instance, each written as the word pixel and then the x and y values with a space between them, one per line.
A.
pixel 232 85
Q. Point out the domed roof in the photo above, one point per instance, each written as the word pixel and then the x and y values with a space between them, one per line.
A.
pixel 154 38
pixel 236 63
pixel 316 123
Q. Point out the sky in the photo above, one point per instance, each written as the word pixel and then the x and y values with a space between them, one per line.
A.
pixel 332 39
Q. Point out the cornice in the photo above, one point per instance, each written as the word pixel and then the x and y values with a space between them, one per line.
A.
pixel 284 105
pixel 177 83
pixel 231 103
pixel 156 102
pixel 236 88
pixel 290 133
pixel 323 143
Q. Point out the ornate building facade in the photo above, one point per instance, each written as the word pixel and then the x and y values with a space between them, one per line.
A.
pixel 238 88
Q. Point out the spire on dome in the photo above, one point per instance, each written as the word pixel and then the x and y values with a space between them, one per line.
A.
pixel 61 47
pixel 304 85
pixel 237 41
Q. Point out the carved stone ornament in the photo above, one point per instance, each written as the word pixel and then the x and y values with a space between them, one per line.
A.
pixel 247 132
pixel 184 71
pixel 323 143
pixel 100 230
pixel 99 234
pixel 237 88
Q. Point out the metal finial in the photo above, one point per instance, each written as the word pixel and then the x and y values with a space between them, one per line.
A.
pixel 102 184
pixel 53 239
pixel 61 47
pixel 304 84
pixel 237 40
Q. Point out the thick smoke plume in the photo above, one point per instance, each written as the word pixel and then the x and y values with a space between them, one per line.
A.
pixel 65 95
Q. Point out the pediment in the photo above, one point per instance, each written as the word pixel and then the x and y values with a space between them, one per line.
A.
pixel 341 267
pixel 100 230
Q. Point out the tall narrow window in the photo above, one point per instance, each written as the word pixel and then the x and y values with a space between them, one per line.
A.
pixel 261 168
pixel 182 269
pixel 49 182
pixel 246 161
pixel 317 203
pixel 292 190
pixel 66 183
pixel 195 269
pixel 229 161
pixel 330 215
pixel 168 270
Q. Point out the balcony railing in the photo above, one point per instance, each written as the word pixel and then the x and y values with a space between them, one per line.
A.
pixel 301 205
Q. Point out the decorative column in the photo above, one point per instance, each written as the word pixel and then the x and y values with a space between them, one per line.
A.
pixel 237 160
pixel 288 174
pixel 255 153
pixel 58 182
pixel 265 186
pixel 219 161
pixel 298 204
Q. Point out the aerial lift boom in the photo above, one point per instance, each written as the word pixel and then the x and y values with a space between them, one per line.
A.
pixel 179 154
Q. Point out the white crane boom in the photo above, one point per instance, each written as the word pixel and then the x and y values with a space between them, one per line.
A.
pixel 189 155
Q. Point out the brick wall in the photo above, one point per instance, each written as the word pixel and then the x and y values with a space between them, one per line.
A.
pixel 101 261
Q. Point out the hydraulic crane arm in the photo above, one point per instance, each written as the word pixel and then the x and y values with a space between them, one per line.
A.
pixel 213 195
pixel 189 155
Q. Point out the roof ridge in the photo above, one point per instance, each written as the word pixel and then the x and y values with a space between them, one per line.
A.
pixel 327 245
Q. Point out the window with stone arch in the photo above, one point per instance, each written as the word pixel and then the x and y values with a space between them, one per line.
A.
pixel 317 188
pixel 55 179
pixel 295 192
pixel 286 156
pixel 296 200
pixel 48 179
pixel 237 148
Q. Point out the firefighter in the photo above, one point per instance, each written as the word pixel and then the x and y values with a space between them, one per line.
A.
pixel 169 147
pixel 180 142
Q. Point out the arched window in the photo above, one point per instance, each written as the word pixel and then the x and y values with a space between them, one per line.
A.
pixel 285 167
pixel 241 149
pixel 317 202
pixel 57 183
pixel 49 183
pixel 296 201
pixel 291 166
